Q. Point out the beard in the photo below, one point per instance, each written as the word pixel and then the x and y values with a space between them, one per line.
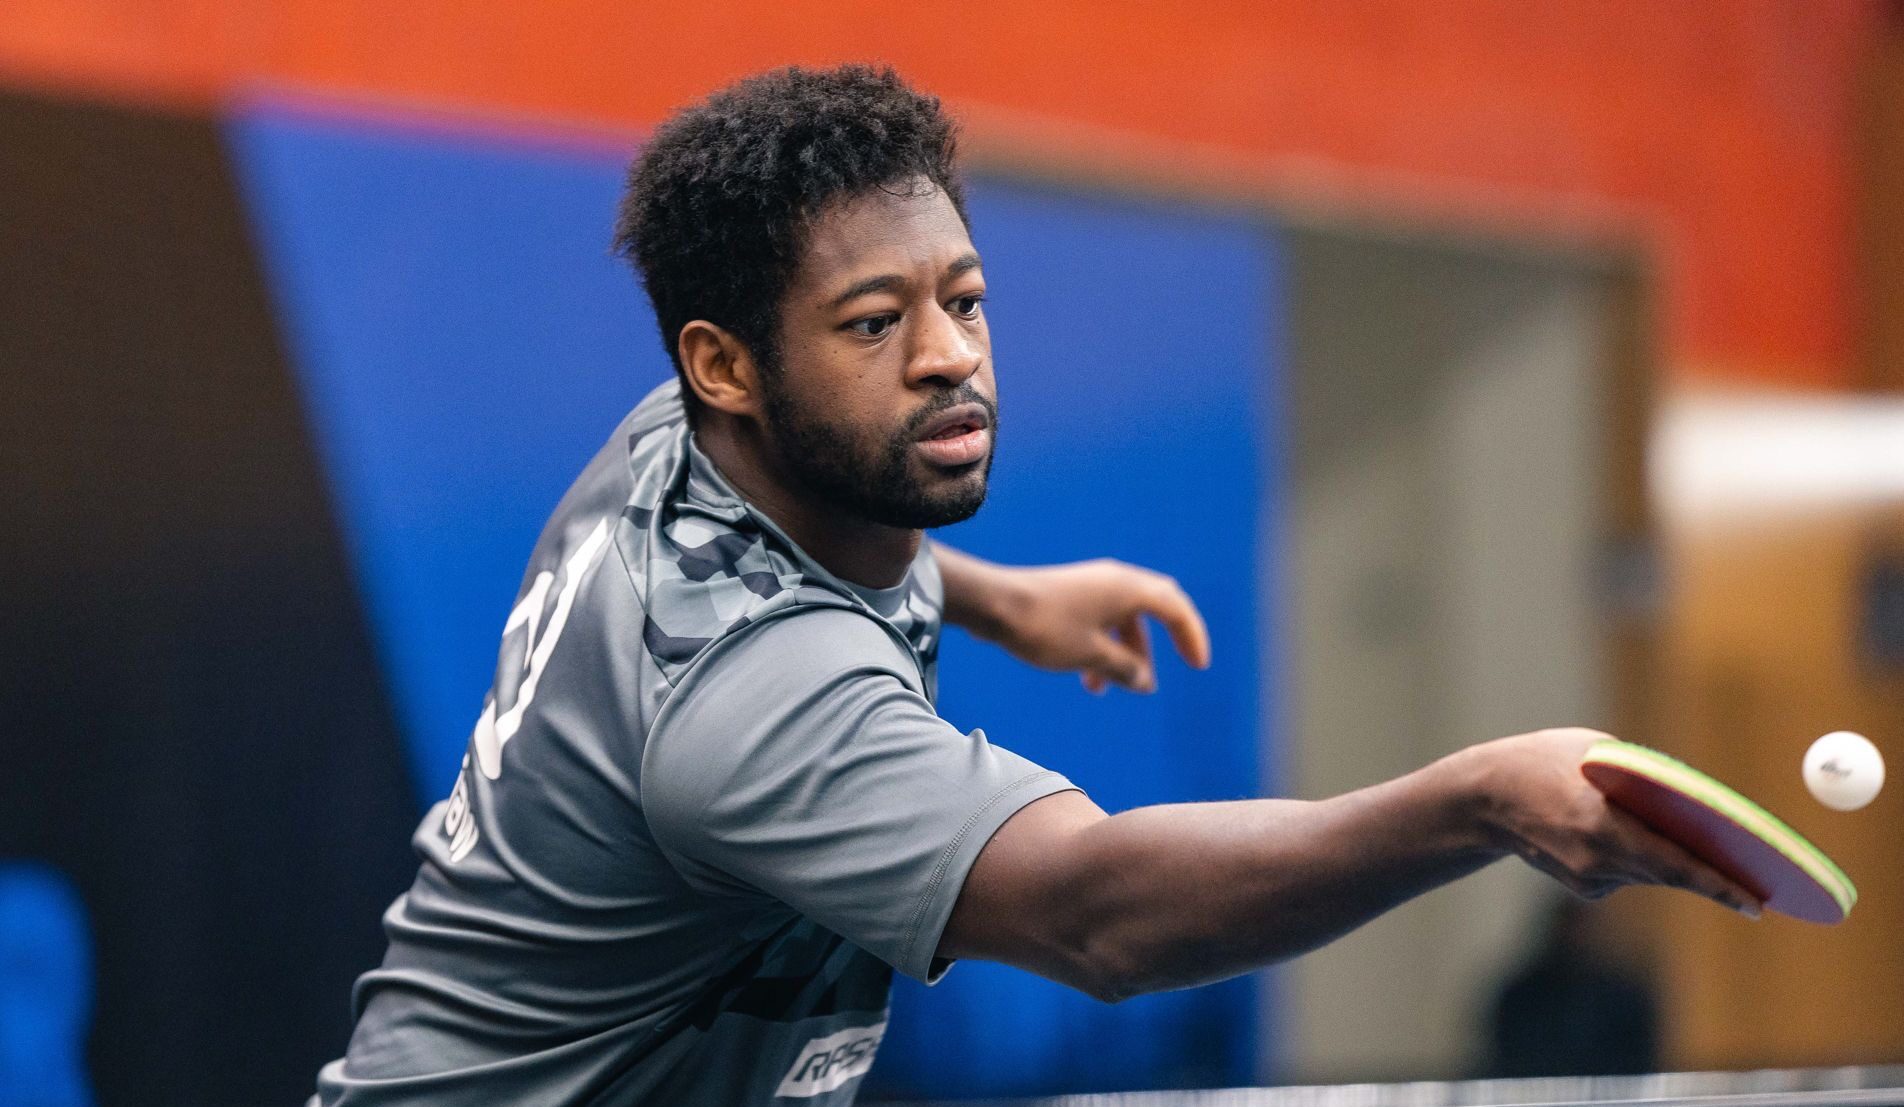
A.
pixel 879 483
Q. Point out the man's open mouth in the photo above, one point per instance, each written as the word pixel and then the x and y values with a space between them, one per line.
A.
pixel 957 436
pixel 955 421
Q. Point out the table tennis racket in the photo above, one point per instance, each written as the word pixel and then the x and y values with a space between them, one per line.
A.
pixel 1723 829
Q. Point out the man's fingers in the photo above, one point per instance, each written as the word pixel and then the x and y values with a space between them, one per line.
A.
pixel 1133 633
pixel 1666 862
pixel 1136 637
pixel 1093 682
pixel 1123 665
pixel 1164 600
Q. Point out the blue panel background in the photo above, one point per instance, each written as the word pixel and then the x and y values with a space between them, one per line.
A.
pixel 465 343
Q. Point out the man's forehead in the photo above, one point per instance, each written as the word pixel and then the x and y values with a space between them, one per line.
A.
pixel 885 230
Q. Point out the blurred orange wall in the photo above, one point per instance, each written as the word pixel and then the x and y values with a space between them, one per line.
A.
pixel 1719 130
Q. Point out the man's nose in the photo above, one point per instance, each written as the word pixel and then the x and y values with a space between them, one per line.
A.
pixel 946 352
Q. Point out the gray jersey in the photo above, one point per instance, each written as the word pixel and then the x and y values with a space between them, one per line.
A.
pixel 707 809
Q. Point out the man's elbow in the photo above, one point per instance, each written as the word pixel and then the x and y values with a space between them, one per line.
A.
pixel 1120 964
pixel 1112 968
pixel 1110 947
pixel 1115 988
pixel 1104 983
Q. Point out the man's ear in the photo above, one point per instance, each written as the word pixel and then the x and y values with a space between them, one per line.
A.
pixel 720 368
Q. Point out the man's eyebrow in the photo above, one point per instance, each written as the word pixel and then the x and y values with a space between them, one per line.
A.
pixel 885 282
pixel 892 282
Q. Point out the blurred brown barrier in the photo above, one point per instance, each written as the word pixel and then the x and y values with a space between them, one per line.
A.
pixel 1765 652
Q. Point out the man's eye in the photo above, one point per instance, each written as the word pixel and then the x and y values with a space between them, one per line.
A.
pixel 872 326
pixel 968 305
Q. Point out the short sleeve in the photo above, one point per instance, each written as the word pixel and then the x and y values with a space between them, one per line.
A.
pixel 799 759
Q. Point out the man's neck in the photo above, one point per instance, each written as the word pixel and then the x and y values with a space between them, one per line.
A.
pixel 859 552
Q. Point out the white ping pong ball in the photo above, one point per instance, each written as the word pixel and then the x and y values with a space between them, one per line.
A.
pixel 1844 770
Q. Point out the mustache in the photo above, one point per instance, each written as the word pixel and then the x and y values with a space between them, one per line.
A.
pixel 963 394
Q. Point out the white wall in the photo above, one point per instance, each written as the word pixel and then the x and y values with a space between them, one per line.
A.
pixel 1440 559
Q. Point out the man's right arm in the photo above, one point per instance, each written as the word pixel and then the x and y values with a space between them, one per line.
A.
pixel 1173 896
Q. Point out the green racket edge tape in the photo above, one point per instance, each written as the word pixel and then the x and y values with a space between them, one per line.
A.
pixel 1685 778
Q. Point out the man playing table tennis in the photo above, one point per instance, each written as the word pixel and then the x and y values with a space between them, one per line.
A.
pixel 708 807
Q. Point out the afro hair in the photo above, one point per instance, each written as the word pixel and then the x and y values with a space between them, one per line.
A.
pixel 719 200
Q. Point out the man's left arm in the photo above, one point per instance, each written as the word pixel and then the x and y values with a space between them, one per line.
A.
pixel 1087 616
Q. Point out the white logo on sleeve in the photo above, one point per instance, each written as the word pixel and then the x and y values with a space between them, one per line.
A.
pixel 828 1062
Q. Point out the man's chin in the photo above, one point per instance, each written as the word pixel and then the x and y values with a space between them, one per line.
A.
pixel 953 513
pixel 946 499
pixel 956 505
pixel 953 495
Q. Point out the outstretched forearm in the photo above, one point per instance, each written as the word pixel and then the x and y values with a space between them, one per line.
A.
pixel 1167 897
pixel 1172 896
pixel 1202 892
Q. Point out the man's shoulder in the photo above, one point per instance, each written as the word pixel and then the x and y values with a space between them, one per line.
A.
pixel 703 568
pixel 700 579
pixel 690 561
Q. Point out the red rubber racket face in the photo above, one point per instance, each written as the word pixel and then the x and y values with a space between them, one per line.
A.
pixel 1723 829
